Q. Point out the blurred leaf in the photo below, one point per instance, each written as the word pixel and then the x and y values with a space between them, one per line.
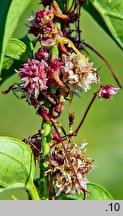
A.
pixel 95 192
pixel 16 53
pixel 9 68
pixel 11 12
pixel 7 63
pixel 109 15
pixel 15 48
pixel 29 48
pixel 64 196
pixel 4 7
pixel 14 194
pixel 16 166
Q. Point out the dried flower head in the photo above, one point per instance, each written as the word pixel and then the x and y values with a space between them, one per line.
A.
pixel 62 175
pixel 33 76
pixel 76 73
pixel 42 18
pixel 107 91
pixel 43 27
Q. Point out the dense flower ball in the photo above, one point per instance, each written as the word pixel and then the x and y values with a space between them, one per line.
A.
pixel 33 76
pixel 61 172
pixel 77 74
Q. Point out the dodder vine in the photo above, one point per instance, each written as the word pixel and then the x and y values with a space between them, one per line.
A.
pixel 58 72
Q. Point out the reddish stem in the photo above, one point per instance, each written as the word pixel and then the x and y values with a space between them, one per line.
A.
pixel 80 124
pixel 61 141
pixel 85 114
pixel 106 62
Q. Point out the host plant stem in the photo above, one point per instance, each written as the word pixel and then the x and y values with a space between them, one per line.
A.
pixel 45 138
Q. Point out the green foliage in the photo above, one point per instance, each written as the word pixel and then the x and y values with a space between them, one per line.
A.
pixel 109 15
pixel 95 192
pixel 15 48
pixel 15 54
pixel 11 12
pixel 4 7
pixel 16 166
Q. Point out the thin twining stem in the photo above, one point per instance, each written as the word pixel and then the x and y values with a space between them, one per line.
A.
pixel 85 114
pixel 106 62
pixel 61 141
pixel 75 132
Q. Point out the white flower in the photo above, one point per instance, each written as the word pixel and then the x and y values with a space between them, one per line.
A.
pixel 77 74
pixel 88 80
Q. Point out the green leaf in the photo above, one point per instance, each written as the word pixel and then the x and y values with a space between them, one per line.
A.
pixel 16 166
pixel 95 192
pixel 16 53
pixel 109 15
pixel 7 63
pixel 4 7
pixel 9 68
pixel 11 12
pixel 15 48
pixel 29 48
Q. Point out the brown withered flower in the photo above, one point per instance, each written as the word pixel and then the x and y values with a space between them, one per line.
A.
pixel 60 169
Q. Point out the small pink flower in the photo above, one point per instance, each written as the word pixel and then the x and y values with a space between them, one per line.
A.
pixel 33 76
pixel 42 54
pixel 107 91
pixel 44 16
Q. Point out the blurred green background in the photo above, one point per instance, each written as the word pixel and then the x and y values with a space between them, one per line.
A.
pixel 103 127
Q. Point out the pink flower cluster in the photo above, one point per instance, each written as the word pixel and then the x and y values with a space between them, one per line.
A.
pixel 33 76
pixel 72 75
pixel 71 72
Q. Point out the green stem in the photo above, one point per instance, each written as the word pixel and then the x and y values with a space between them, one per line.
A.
pixel 54 49
pixel 31 189
pixel 45 150
pixel 46 126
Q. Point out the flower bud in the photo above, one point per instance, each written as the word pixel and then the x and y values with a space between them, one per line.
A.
pixel 107 92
